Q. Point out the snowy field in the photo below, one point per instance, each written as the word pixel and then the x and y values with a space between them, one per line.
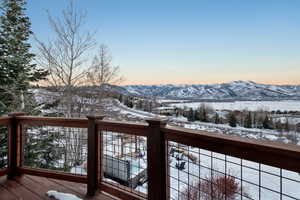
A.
pixel 288 105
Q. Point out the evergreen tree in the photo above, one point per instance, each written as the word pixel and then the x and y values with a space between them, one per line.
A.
pixel 202 113
pixel 121 98
pixel 42 149
pixel 176 112
pixel 254 120
pixel 150 106
pixel 248 121
pixel 191 115
pixel 267 124
pixel 287 125
pixel 16 67
pixel 217 119
pixel 139 105
pixel 278 125
pixel 128 102
pixel 232 119
pixel 196 114
pixel 260 122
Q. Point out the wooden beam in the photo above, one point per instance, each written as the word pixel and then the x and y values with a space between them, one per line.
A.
pixel 156 161
pixel 52 174
pixel 4 172
pixel 265 152
pixel 14 144
pixel 93 155
pixel 121 192
pixel 53 121
pixel 130 128
pixel 5 121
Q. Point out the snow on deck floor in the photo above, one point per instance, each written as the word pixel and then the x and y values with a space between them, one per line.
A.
pixel 61 196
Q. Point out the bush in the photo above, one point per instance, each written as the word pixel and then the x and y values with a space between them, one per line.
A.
pixel 214 187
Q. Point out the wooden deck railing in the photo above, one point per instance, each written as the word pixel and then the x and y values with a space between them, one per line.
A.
pixel 158 138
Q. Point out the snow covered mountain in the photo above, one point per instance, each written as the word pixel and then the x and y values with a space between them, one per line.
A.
pixel 237 90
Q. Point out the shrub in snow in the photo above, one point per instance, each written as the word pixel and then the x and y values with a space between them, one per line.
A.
pixel 214 187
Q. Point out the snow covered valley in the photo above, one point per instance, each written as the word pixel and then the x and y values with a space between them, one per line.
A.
pixel 187 165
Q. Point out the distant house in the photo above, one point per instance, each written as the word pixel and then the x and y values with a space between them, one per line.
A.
pixel 292 119
pixel 167 110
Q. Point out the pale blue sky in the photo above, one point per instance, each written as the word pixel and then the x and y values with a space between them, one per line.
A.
pixel 192 41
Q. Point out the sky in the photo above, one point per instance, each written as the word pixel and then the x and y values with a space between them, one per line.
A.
pixel 190 41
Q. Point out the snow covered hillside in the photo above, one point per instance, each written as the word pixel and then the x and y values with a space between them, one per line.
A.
pixel 237 90
pixel 284 105
pixel 117 111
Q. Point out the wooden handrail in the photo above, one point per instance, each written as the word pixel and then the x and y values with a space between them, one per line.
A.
pixel 121 192
pixel 5 121
pixel 53 121
pixel 270 153
pixel 4 171
pixel 52 174
pixel 138 129
pixel 275 154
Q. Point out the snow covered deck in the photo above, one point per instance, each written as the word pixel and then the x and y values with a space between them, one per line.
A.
pixel 29 187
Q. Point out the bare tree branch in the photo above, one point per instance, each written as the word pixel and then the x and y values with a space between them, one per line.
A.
pixel 102 71
pixel 66 56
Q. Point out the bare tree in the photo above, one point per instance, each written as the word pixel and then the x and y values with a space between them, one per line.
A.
pixel 65 57
pixel 102 71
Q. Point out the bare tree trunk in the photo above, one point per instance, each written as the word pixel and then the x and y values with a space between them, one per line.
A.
pixel 136 143
pixel 122 146
pixel 22 99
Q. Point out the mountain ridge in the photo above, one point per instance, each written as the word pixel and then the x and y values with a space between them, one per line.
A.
pixel 235 90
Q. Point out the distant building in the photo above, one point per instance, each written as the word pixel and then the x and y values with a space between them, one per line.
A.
pixel 292 119
pixel 167 110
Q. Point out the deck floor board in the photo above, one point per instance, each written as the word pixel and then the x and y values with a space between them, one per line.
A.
pixel 34 188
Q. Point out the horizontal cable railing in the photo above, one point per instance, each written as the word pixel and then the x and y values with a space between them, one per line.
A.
pixel 53 121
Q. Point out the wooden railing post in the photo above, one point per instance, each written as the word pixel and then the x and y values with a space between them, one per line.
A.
pixel 93 155
pixel 157 161
pixel 14 144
